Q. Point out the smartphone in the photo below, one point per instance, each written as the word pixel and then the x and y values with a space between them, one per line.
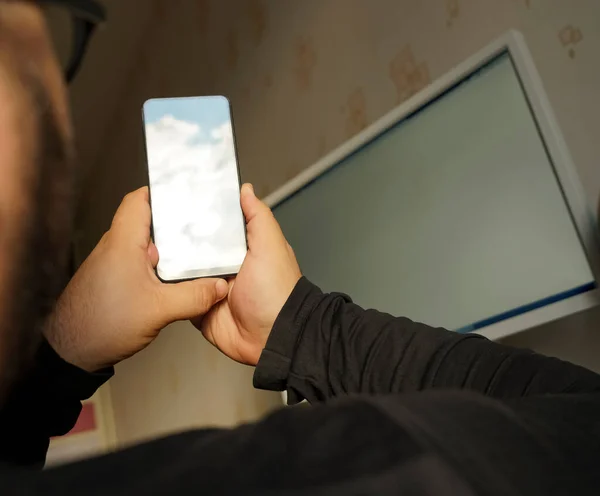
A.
pixel 197 221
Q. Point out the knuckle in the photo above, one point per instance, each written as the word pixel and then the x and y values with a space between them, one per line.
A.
pixel 203 296
pixel 105 239
pixel 128 197
pixel 160 310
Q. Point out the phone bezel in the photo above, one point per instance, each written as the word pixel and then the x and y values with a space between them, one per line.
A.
pixel 227 271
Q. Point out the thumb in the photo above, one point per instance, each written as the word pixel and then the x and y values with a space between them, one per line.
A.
pixel 251 205
pixel 132 218
pixel 262 227
pixel 189 299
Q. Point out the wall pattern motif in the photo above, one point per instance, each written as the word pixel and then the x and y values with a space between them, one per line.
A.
pixel 258 17
pixel 305 62
pixel 409 76
pixel 452 11
pixel 570 37
pixel 355 111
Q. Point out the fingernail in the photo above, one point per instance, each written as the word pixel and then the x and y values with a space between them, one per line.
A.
pixel 221 288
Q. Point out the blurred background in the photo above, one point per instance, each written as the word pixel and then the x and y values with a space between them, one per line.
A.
pixel 303 77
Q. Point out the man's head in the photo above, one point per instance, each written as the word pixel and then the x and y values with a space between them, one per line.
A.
pixel 35 183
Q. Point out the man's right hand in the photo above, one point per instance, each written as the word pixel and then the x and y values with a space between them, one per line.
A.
pixel 240 325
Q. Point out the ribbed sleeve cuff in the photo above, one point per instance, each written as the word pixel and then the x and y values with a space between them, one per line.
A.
pixel 275 361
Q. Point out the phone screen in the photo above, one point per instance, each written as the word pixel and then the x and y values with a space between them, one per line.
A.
pixel 197 220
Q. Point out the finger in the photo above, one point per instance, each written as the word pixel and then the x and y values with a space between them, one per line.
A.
pixel 262 227
pixel 190 299
pixel 251 205
pixel 133 215
pixel 153 254
pixel 205 324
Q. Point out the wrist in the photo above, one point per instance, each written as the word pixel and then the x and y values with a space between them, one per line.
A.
pixel 277 356
pixel 61 338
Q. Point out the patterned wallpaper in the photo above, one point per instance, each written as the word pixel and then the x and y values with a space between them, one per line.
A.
pixel 304 76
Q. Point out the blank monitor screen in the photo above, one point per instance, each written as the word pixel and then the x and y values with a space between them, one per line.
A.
pixel 452 217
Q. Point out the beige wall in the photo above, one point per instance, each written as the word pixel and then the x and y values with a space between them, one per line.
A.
pixel 181 382
pixel 303 77
pixel 101 82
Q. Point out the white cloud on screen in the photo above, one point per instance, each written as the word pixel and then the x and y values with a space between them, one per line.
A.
pixel 195 197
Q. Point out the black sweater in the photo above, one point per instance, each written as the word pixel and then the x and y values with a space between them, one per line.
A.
pixel 398 408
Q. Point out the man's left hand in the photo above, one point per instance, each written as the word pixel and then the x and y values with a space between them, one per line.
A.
pixel 115 305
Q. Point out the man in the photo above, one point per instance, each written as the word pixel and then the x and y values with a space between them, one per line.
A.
pixel 421 410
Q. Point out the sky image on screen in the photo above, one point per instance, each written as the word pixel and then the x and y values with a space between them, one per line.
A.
pixel 197 219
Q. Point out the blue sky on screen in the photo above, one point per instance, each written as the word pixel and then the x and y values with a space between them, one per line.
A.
pixel 208 112
pixel 194 182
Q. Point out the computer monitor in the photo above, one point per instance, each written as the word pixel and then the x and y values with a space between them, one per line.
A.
pixel 460 208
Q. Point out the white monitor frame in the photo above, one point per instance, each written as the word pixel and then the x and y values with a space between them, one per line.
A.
pixel 512 42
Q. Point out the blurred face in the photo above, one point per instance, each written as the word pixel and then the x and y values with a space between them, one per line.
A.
pixel 35 184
